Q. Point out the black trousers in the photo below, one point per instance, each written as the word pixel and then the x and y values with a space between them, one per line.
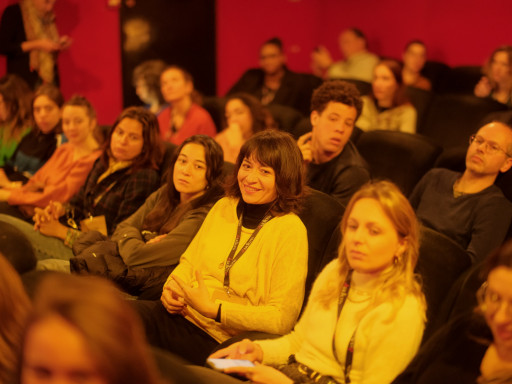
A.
pixel 174 333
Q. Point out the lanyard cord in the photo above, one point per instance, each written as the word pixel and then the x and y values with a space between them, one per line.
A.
pixel 350 349
pixel 232 259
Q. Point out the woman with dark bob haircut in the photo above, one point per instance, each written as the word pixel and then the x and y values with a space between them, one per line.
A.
pixel 82 330
pixel 119 183
pixel 147 245
pixel 246 267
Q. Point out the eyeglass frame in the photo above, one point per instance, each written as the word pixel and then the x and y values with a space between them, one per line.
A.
pixel 483 304
pixel 488 148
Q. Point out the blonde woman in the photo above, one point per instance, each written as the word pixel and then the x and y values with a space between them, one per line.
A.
pixel 365 316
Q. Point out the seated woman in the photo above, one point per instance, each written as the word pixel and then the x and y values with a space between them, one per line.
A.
pixel 15 96
pixel 414 58
pixel 497 80
pixel 83 331
pixel 15 309
pixel 146 246
pixel 183 117
pixel 246 267
pixel 146 80
pixel 365 316
pixel 245 116
pixel 39 144
pixel 476 346
pixel 387 107
pixel 65 172
pixel 120 181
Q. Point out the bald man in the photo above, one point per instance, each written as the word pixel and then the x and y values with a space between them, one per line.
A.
pixel 468 207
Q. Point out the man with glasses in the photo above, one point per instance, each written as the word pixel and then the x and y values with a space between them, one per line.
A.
pixel 468 207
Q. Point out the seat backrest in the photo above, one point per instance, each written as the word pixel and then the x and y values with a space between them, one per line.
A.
pixel 321 215
pixel 452 118
pixel 436 72
pixel 364 87
pixel 421 100
pixel 441 262
pixel 285 117
pixel 215 107
pixel 462 79
pixel 398 156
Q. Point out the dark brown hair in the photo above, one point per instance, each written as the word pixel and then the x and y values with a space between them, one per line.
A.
pixel 81 101
pixel 337 91
pixel 167 211
pixel 95 308
pixel 152 149
pixel 395 67
pixel 55 95
pixel 278 150
pixel 257 110
pixel 17 97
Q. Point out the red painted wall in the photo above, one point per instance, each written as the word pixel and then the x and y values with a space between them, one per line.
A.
pixel 457 32
pixel 92 65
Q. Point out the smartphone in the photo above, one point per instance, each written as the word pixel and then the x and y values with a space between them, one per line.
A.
pixel 222 364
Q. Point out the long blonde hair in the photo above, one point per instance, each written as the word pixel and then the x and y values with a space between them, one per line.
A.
pixel 401 279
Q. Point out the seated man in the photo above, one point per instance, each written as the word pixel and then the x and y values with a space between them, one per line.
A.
pixel 358 63
pixel 468 207
pixel 334 164
pixel 274 83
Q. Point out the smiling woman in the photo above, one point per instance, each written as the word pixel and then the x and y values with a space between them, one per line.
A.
pixel 246 267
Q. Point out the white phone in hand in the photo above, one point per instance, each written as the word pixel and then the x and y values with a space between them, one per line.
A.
pixel 222 364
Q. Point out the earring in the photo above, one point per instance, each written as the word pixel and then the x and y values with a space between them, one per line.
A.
pixel 396 260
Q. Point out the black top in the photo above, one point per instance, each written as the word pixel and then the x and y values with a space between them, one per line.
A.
pixel 295 90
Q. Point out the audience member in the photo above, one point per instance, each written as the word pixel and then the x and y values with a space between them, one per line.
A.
pixel 244 117
pixel 227 284
pixel 497 80
pixel 146 80
pixel 30 41
pixel 387 107
pixel 120 181
pixel 39 144
pixel 476 346
pixel 358 63
pixel 82 330
pixel 183 117
pixel 15 121
pixel 468 207
pixel 414 58
pixel 15 308
pixel 147 246
pixel 273 82
pixel 333 164
pixel 363 305
pixel 65 172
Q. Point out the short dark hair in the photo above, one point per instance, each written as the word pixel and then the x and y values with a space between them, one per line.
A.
pixel 412 42
pixel 152 148
pixel 274 41
pixel 337 91
pixel 255 107
pixel 358 33
pixel 278 150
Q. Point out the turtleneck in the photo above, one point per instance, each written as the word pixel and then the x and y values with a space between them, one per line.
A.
pixel 253 213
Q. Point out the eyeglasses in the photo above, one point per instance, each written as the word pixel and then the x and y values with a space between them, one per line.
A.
pixel 490 301
pixel 491 148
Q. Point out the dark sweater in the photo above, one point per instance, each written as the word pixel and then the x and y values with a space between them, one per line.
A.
pixel 342 176
pixel 477 221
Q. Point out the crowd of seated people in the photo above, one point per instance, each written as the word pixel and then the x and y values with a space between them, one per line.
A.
pixel 211 254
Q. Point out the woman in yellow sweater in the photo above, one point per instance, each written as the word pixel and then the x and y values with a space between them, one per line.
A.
pixel 246 267
pixel 365 315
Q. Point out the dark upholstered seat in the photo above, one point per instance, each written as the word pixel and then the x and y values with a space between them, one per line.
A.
pixel 400 157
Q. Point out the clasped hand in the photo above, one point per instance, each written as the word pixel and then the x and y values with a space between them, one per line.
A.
pixel 178 295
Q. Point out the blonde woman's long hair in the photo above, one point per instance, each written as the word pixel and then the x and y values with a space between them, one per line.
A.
pixel 401 280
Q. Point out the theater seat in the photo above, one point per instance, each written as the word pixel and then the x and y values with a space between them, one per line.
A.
pixel 421 100
pixel 441 262
pixel 215 107
pixel 400 157
pixel 285 117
